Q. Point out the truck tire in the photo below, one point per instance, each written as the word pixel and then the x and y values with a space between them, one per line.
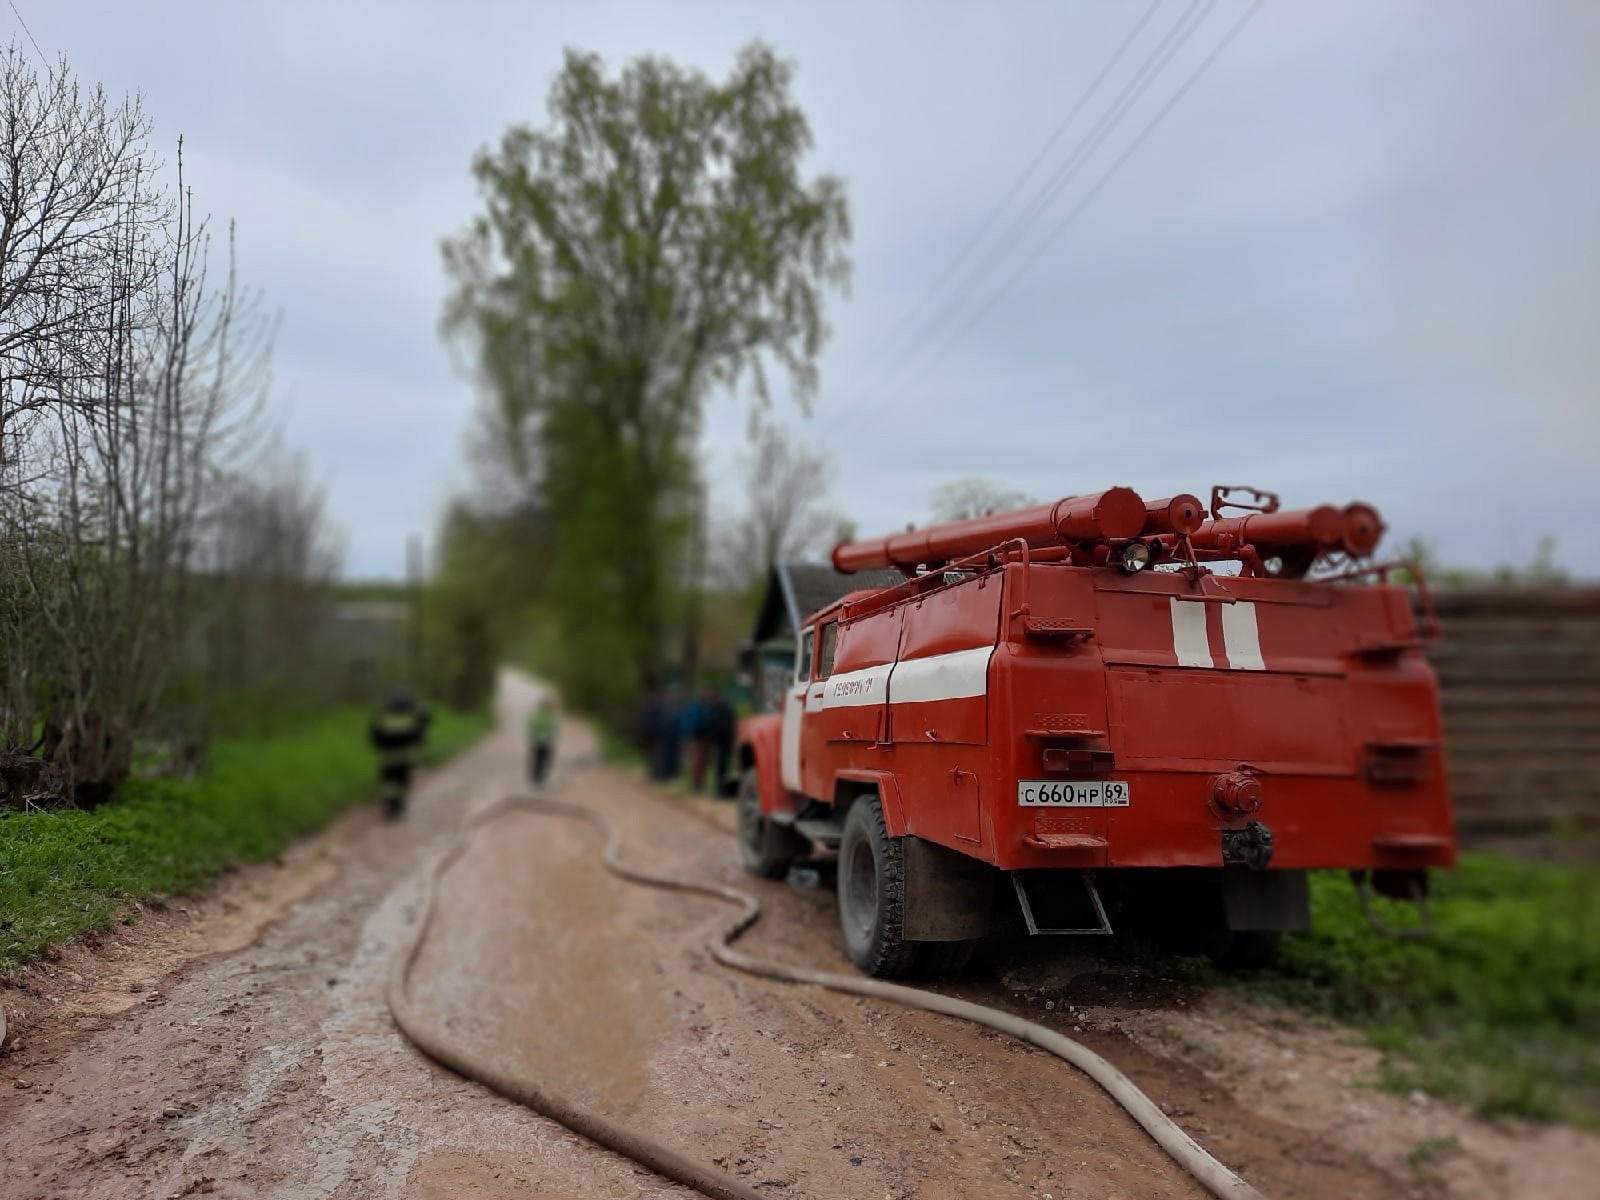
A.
pixel 872 894
pixel 766 849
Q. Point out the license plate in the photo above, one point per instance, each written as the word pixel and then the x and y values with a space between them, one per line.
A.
pixel 1055 793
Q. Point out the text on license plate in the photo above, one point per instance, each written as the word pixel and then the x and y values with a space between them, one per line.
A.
pixel 1055 793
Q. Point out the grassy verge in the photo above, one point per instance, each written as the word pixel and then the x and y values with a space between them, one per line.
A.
pixel 618 751
pixel 63 873
pixel 1500 1007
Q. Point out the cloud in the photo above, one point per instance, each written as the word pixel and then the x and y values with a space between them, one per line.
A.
pixel 1360 257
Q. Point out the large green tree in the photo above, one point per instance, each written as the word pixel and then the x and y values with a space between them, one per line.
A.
pixel 656 240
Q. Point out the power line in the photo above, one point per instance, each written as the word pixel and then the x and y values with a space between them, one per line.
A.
pixel 1177 35
pixel 1133 147
pixel 1068 171
pixel 27 31
pixel 1066 222
pixel 989 222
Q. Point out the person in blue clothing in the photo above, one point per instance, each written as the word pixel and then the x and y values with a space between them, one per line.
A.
pixel 665 726
pixel 722 725
pixel 696 732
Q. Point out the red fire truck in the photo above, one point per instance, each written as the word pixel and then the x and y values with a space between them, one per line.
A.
pixel 1099 714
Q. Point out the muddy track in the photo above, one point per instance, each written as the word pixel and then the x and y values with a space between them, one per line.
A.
pixel 271 1068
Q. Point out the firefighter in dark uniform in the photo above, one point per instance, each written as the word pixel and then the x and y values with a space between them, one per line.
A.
pixel 396 734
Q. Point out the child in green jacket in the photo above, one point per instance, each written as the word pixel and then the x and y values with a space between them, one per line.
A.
pixel 543 724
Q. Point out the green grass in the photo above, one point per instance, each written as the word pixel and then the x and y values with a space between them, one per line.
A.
pixel 65 872
pixel 1431 1150
pixel 619 751
pixel 1499 1008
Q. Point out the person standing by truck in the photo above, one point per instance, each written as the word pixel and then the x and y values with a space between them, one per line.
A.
pixel 397 732
pixel 664 756
pixel 694 731
pixel 722 724
pixel 544 724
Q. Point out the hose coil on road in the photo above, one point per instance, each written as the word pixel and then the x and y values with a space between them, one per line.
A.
pixel 1218 1179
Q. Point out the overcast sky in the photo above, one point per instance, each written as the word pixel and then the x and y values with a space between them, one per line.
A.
pixel 1359 257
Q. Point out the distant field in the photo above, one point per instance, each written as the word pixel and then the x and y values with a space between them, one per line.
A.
pixel 64 872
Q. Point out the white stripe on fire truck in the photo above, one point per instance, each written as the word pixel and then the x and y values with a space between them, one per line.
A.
pixel 853 689
pixel 1189 640
pixel 1241 639
pixel 950 676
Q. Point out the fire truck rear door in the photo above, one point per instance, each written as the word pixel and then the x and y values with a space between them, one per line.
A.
pixel 1246 670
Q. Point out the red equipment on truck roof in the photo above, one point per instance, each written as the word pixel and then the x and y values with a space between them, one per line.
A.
pixel 1065 720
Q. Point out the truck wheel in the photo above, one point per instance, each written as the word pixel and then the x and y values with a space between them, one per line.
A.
pixel 872 894
pixel 765 849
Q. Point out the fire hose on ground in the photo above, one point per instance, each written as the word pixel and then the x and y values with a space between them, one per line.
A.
pixel 671 1163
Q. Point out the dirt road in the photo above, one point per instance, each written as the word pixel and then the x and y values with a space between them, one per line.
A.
pixel 181 1057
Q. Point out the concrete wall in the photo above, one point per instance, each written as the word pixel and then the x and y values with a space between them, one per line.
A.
pixel 1519 672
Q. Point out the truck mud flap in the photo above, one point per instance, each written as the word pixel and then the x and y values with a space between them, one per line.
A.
pixel 949 895
pixel 1265 900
